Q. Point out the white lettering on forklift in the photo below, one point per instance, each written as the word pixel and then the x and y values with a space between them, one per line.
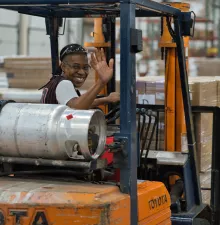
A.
pixel 157 202
pixel 39 217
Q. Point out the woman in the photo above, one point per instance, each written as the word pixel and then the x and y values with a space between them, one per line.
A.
pixel 72 73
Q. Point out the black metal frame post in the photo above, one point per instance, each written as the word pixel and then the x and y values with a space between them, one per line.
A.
pixel 215 176
pixel 54 43
pixel 196 195
pixel 110 53
pixel 128 177
pixel 127 11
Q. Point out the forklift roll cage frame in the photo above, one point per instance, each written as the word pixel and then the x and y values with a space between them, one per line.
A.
pixel 127 10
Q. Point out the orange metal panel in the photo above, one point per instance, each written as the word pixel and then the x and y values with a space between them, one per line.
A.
pixel 62 203
pixel 153 203
pixel 175 128
pixel 170 103
pixel 162 218
pixel 44 202
pixel 180 119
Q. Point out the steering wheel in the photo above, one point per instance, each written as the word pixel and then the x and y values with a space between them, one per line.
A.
pixel 113 114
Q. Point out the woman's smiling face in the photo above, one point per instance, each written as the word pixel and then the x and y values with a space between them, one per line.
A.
pixel 76 68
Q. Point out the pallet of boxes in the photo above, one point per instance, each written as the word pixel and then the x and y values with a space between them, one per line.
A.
pixel 203 92
pixel 27 72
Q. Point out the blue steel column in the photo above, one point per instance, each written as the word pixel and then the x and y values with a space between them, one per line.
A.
pixel 128 106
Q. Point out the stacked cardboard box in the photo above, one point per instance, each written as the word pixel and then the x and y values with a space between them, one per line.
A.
pixel 205 181
pixel 150 90
pixel 32 72
pixel 203 92
pixel 206 93
pixel 207 67
pixel 27 72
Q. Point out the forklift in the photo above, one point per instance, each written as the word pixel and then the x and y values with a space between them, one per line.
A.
pixel 55 172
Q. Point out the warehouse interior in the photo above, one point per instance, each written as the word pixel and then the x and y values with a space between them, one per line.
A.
pixel 25 66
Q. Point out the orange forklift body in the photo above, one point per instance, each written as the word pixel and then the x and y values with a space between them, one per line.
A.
pixel 42 202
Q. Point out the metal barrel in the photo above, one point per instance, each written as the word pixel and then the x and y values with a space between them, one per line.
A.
pixel 51 132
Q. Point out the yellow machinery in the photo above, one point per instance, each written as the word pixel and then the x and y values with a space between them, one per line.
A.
pixel 175 132
pixel 175 128
pixel 52 173
pixel 212 52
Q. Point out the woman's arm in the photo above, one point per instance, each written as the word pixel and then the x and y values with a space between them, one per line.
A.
pixel 105 72
pixel 86 100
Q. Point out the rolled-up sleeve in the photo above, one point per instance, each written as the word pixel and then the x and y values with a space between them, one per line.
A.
pixel 65 91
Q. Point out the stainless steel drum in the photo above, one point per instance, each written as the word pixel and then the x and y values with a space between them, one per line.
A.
pixel 51 132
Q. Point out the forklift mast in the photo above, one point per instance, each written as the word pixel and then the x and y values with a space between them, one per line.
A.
pixel 175 133
pixel 126 159
pixel 104 37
